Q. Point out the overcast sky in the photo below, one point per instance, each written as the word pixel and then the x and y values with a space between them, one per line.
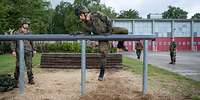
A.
pixel 145 7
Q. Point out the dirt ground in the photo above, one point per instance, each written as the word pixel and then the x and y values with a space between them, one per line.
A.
pixel 64 84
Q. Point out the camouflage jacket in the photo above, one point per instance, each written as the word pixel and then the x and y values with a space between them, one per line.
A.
pixel 98 24
pixel 139 46
pixel 28 45
pixel 7 83
pixel 172 47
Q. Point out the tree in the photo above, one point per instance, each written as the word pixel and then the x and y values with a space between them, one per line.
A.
pixel 129 14
pixel 11 11
pixel 174 13
pixel 196 16
pixel 104 9
pixel 94 5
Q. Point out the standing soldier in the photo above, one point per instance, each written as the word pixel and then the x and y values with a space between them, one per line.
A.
pixel 28 50
pixel 138 47
pixel 172 49
pixel 98 24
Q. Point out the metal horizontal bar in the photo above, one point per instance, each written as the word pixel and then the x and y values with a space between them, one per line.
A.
pixel 62 37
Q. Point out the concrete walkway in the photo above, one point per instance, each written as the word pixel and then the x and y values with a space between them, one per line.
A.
pixel 187 64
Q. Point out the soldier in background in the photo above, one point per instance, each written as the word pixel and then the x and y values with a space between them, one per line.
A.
pixel 172 49
pixel 138 47
pixel 28 50
pixel 98 24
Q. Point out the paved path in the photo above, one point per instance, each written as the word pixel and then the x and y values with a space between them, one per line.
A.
pixel 188 63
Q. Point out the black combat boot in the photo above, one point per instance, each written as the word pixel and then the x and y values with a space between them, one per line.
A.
pixel 31 81
pixel 101 74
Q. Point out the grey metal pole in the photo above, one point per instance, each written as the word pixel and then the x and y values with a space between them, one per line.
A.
pixel 145 67
pixel 21 67
pixel 83 66
pixel 192 36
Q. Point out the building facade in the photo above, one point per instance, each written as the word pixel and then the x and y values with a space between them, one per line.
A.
pixel 186 32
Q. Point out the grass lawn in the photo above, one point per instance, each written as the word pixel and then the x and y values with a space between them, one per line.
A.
pixel 162 80
pixel 7 63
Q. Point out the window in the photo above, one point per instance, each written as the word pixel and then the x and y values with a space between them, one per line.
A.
pixel 179 43
pixel 184 43
pixel 188 43
pixel 160 43
pixel 164 43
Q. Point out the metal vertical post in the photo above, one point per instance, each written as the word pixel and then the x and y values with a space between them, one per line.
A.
pixel 153 32
pixel 83 66
pixel 133 32
pixel 172 29
pixel 145 68
pixel 21 67
pixel 192 36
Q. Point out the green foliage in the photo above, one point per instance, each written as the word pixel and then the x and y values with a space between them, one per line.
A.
pixel 58 47
pixel 196 16
pixel 68 22
pixel 175 13
pixel 4 48
pixel 133 14
pixel 104 9
pixel 11 11
pixel 66 47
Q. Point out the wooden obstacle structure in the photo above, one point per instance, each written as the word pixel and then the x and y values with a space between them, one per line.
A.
pixel 73 60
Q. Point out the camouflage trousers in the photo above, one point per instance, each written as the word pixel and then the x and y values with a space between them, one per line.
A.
pixel 173 56
pixel 28 63
pixel 103 47
pixel 138 53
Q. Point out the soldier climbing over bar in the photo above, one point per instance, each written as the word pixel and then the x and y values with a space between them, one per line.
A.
pixel 99 24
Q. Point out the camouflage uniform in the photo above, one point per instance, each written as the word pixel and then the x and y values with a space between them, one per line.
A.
pixel 28 54
pixel 172 50
pixel 138 48
pixel 100 24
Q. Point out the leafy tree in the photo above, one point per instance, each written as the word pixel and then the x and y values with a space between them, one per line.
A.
pixel 94 5
pixel 104 9
pixel 12 10
pixel 174 13
pixel 58 19
pixel 196 16
pixel 129 14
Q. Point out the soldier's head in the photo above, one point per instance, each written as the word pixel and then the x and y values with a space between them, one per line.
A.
pixel 24 25
pixel 81 12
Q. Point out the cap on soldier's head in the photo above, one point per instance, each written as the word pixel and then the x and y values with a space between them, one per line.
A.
pixel 24 21
pixel 80 9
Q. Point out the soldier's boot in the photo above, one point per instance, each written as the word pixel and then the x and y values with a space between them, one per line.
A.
pixel 101 74
pixel 171 60
pixel 121 45
pixel 31 81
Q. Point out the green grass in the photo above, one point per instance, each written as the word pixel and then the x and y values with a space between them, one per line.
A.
pixel 160 78
pixel 7 63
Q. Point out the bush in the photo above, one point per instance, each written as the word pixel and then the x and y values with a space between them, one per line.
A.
pixel 5 47
pixel 68 47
